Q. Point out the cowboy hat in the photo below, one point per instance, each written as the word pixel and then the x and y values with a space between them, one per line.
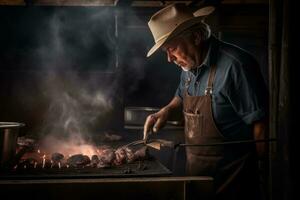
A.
pixel 172 20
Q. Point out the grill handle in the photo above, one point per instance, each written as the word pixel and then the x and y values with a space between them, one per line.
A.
pixel 177 146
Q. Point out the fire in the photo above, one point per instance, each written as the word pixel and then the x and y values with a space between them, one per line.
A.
pixel 84 149
pixel 69 147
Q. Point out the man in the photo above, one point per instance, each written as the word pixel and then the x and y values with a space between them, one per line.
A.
pixel 223 97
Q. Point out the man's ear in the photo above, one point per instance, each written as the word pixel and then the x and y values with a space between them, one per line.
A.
pixel 197 38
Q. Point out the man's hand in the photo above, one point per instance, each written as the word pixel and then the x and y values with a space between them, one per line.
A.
pixel 155 122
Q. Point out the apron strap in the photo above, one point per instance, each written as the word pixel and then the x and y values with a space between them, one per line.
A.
pixel 210 81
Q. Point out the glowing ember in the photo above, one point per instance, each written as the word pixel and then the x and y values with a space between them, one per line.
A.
pixel 44 160
pixel 71 146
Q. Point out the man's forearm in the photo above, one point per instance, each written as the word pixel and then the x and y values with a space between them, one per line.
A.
pixel 175 103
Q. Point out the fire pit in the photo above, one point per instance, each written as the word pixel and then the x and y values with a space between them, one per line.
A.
pixel 32 161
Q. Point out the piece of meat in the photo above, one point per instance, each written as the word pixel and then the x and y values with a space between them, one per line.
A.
pixel 57 160
pixel 57 157
pixel 121 156
pixel 106 157
pixel 78 160
pixel 28 163
pixel 32 154
pixel 129 155
pixel 95 160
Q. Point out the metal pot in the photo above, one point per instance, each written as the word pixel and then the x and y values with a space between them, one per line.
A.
pixel 8 140
pixel 138 115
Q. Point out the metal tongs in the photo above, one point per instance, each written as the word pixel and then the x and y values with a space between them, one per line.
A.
pixel 153 143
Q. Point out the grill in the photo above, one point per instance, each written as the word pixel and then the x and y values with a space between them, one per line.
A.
pixel 151 167
pixel 33 163
pixel 142 179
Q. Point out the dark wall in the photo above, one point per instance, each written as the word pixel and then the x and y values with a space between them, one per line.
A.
pixel 247 27
pixel 149 81
pixel 35 38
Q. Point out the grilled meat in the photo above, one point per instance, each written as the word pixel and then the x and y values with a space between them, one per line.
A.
pixel 78 160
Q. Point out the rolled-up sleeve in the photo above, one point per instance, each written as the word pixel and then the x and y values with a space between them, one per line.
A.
pixel 247 92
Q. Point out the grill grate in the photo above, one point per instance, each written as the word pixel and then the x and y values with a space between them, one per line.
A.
pixel 151 167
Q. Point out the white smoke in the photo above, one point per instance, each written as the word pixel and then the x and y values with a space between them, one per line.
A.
pixel 74 80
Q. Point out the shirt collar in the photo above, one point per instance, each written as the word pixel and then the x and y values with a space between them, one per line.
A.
pixel 210 57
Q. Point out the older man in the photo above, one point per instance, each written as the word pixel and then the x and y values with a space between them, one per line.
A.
pixel 223 97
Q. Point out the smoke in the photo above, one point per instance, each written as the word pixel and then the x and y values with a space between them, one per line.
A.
pixel 76 67
pixel 76 55
pixel 78 39
pixel 85 66
pixel 74 144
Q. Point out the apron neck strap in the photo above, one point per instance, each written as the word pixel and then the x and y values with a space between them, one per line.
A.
pixel 211 77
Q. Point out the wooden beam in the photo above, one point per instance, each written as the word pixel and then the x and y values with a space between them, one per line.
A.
pixel 160 3
pixel 156 3
pixel 59 2
pixel 135 3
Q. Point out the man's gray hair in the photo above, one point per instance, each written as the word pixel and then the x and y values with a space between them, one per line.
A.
pixel 201 28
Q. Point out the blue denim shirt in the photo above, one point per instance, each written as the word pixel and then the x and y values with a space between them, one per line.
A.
pixel 239 93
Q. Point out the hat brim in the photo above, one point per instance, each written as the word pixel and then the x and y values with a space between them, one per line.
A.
pixel 199 15
pixel 204 11
pixel 183 26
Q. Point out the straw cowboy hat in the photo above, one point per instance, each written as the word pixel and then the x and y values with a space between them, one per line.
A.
pixel 172 20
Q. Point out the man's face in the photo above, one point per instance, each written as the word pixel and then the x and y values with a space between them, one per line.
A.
pixel 182 52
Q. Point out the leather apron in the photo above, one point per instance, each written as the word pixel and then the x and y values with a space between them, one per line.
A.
pixel 217 161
